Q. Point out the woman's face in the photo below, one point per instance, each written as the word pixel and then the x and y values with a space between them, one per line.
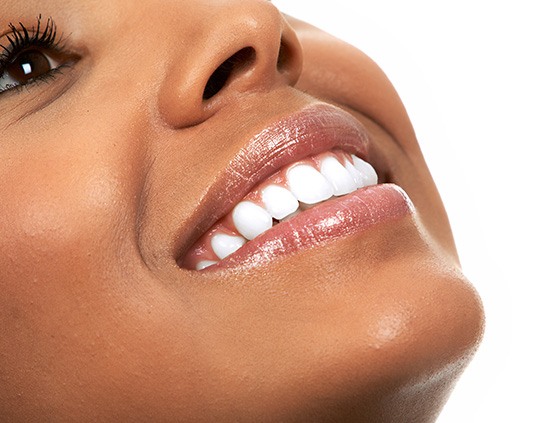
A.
pixel 122 162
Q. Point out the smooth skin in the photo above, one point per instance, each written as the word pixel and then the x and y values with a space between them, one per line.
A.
pixel 102 168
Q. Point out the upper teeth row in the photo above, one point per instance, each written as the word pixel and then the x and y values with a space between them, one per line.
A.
pixel 305 184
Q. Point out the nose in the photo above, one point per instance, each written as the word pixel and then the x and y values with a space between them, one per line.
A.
pixel 235 47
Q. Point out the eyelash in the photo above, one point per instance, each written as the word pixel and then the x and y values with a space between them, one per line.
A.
pixel 21 39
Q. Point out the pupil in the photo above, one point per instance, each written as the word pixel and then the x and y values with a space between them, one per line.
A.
pixel 29 65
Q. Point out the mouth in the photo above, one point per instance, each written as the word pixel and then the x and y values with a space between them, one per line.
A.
pixel 299 183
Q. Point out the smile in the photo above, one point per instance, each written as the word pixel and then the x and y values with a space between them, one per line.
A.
pixel 306 200
pixel 285 194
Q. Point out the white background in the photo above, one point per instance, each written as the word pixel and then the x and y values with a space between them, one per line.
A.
pixel 469 75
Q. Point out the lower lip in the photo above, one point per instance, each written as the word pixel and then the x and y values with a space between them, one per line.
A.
pixel 335 219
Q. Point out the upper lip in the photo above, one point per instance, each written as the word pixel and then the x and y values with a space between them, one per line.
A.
pixel 312 130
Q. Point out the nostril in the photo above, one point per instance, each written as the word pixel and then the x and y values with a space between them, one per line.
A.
pixel 283 56
pixel 234 64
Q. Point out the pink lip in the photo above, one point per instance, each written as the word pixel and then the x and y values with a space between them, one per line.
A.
pixel 336 218
pixel 312 130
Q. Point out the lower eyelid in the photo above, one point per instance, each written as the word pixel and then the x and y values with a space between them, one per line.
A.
pixel 29 99
pixel 58 68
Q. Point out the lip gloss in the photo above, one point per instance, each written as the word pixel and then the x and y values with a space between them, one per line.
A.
pixel 315 129
pixel 334 219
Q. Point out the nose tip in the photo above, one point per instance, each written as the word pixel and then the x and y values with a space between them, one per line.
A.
pixel 247 47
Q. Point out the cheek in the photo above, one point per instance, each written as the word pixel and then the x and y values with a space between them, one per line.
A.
pixel 66 209
pixel 66 190
pixel 67 213
pixel 55 218
pixel 53 210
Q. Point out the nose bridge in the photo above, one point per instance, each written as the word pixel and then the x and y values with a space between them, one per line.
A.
pixel 234 47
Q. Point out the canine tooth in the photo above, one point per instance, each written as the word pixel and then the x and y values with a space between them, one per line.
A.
pixel 337 175
pixel 250 219
pixel 356 175
pixel 203 264
pixel 367 171
pixel 279 201
pixel 308 185
pixel 224 245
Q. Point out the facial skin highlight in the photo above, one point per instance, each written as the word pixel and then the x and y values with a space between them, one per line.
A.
pixel 113 169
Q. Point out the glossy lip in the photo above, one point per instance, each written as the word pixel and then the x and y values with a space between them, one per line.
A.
pixel 336 218
pixel 315 129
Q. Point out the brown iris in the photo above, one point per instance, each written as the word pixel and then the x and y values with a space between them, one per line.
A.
pixel 28 65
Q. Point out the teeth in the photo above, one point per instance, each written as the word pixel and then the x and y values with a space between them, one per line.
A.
pixel 356 175
pixel 366 170
pixel 308 185
pixel 203 264
pixel 279 201
pixel 337 175
pixel 251 220
pixel 224 245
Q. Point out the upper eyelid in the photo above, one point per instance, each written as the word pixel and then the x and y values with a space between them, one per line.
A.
pixel 42 34
pixel 70 42
pixel 19 34
pixel 47 38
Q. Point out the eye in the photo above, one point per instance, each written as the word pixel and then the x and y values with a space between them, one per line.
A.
pixel 31 55
pixel 29 65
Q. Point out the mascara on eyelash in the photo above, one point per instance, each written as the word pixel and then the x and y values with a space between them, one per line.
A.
pixel 20 38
